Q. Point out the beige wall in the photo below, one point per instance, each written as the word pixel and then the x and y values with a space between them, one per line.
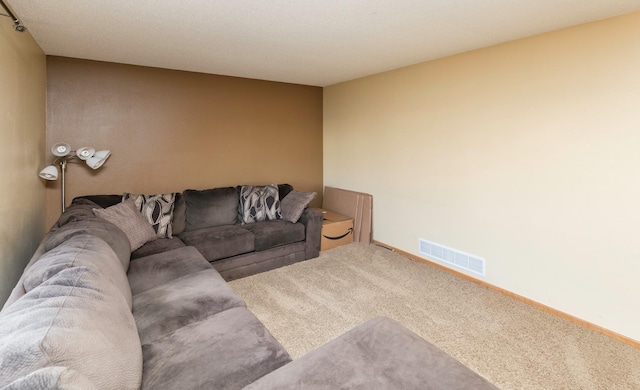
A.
pixel 22 131
pixel 525 153
pixel 170 130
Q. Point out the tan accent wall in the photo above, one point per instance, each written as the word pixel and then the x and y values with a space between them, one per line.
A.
pixel 22 132
pixel 171 130
pixel 524 153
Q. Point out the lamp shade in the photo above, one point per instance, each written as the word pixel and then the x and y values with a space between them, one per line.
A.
pixel 49 173
pixel 98 158
pixel 85 152
pixel 60 149
pixel 104 154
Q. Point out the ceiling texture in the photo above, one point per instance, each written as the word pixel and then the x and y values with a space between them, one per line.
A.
pixel 310 42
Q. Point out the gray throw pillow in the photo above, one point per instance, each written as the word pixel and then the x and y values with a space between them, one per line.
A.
pixel 134 225
pixel 294 203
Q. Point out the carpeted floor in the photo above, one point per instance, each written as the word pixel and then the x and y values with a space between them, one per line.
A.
pixel 512 344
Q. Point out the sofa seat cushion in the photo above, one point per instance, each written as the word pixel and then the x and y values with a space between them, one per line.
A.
pixel 219 242
pixel 269 234
pixel 148 272
pixel 225 351
pixel 379 354
pixel 157 246
pixel 255 262
pixel 180 302
pixel 73 315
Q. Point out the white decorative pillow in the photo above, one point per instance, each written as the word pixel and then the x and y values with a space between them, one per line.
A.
pixel 158 209
pixel 294 203
pixel 134 225
pixel 259 203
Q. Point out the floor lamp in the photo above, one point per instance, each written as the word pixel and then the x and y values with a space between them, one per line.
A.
pixel 94 159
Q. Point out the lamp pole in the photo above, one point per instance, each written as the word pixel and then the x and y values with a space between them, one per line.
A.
pixel 63 166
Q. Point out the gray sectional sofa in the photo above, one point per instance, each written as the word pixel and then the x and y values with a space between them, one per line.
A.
pixel 86 314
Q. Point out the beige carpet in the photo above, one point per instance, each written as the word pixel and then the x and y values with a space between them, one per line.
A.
pixel 513 345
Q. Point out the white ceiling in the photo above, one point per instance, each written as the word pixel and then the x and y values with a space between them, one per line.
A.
pixel 310 42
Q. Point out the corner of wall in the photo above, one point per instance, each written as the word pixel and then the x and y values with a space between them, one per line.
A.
pixel 22 129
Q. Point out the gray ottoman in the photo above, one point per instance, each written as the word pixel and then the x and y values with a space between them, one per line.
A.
pixel 379 354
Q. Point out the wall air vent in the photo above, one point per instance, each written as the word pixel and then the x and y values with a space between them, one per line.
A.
pixel 453 257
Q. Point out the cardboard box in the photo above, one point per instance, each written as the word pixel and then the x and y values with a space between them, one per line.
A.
pixel 352 204
pixel 336 230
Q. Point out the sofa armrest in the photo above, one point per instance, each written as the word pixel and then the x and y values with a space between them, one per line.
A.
pixel 312 220
pixel 18 291
pixel 379 354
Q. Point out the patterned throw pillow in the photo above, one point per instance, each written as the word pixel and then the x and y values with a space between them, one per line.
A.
pixel 125 216
pixel 259 203
pixel 294 203
pixel 157 209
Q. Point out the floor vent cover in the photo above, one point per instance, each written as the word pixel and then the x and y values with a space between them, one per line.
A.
pixel 454 257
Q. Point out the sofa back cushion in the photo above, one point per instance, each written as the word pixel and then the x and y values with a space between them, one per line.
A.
pixel 179 214
pixel 80 250
pixel 103 201
pixel 284 189
pixel 59 378
pixel 76 319
pixel 209 208
pixel 79 218
pixel 80 210
pixel 97 227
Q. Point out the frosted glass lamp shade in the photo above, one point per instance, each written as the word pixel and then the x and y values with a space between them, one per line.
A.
pixel 61 149
pixel 85 153
pixel 95 163
pixel 49 173
pixel 98 158
pixel 103 154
